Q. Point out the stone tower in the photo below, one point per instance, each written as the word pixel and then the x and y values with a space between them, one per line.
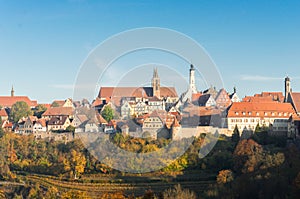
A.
pixel 192 79
pixel 287 88
pixel 156 84
pixel 12 92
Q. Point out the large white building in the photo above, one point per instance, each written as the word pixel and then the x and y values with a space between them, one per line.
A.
pixel 247 115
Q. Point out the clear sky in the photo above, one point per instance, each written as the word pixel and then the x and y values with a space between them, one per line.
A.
pixel 255 44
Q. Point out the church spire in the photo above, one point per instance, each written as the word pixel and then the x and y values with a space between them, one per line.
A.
pixel 12 92
pixel 156 83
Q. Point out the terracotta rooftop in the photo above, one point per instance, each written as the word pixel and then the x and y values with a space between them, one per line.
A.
pixel 101 119
pixel 265 97
pixel 266 109
pixel 54 111
pixel 57 120
pixel 296 101
pixel 42 122
pixel 8 101
pixel 3 113
pixel 111 92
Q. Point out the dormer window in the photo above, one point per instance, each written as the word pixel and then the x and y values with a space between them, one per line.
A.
pixel 237 113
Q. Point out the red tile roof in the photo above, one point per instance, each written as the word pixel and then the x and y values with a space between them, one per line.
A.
pixel 8 101
pixel 296 101
pixel 111 92
pixel 265 97
pixel 101 119
pixel 58 120
pixel 3 113
pixel 196 96
pixel 266 109
pixel 42 122
pixel 55 111
pixel 46 105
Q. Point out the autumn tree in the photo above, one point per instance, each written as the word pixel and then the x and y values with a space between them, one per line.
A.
pixel 224 176
pixel 75 164
pixel 178 193
pixel 247 154
pixel 107 113
pixel 19 110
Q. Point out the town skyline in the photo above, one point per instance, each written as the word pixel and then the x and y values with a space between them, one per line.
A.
pixel 239 37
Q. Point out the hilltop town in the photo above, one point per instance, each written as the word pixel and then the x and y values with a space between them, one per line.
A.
pixel 155 112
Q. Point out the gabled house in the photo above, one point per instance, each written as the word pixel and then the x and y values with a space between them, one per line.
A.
pixel 79 119
pixel 58 111
pixel 3 114
pixel 111 127
pixel 28 125
pixel 40 126
pixel 158 123
pixel 92 125
pixel 155 104
pixel 206 100
pixel 7 125
pixel 223 100
pixel 127 109
pixel 64 103
pixel 234 97
pixel 58 123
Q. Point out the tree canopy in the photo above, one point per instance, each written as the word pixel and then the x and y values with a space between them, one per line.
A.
pixel 107 113
pixel 19 110
pixel 39 110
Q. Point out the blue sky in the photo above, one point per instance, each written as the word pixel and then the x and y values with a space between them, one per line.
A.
pixel 255 44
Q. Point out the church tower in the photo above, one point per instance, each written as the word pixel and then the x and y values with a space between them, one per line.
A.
pixel 192 79
pixel 12 92
pixel 287 88
pixel 156 84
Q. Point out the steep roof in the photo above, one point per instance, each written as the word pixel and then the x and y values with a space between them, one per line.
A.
pixel 58 120
pixel 265 97
pixel 255 109
pixel 204 98
pixel 42 122
pixel 110 92
pixel 3 113
pixel 101 119
pixel 8 101
pixel 58 111
pixel 296 101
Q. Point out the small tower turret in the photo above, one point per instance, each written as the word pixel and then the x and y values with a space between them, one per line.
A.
pixel 192 79
pixel 287 88
pixel 12 92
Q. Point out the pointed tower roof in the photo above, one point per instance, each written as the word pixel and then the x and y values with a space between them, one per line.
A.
pixel 155 73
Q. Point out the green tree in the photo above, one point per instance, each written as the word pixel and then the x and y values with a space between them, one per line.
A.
pixel 19 110
pixel 54 104
pixel 39 110
pixel 70 128
pixel 236 135
pixel 107 113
